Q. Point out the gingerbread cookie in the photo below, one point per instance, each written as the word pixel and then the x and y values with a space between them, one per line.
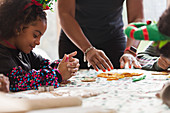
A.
pixel 117 76
pixel 160 73
pixel 136 74
pixel 102 75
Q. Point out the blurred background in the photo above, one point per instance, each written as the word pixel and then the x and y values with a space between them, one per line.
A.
pixel 49 42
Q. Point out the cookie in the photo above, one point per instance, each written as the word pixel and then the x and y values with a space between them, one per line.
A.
pixel 102 75
pixel 127 74
pixel 88 79
pixel 160 73
pixel 136 74
pixel 117 76
pixel 112 78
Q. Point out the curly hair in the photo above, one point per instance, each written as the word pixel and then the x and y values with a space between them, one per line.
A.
pixel 164 22
pixel 13 15
pixel 164 27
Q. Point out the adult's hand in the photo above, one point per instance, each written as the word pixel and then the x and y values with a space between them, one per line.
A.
pixel 130 59
pixel 163 62
pixel 98 59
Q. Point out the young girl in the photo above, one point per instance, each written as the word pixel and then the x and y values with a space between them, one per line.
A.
pixel 22 23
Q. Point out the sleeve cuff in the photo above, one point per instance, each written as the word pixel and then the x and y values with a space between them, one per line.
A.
pixel 58 75
pixel 157 68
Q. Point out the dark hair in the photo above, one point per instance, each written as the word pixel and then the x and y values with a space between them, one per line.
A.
pixel 164 22
pixel 165 50
pixel 164 27
pixel 13 15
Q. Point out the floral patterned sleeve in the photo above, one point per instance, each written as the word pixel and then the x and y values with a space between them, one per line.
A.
pixel 21 80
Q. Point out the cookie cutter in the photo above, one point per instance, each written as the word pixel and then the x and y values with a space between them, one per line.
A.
pixel 45 88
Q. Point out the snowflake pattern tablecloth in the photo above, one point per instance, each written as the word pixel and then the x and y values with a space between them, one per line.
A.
pixel 123 95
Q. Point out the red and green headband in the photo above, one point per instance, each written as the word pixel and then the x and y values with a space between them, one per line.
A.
pixel 46 4
pixel 146 31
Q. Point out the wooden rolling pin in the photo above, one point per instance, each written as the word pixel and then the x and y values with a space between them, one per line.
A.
pixel 14 105
pixel 36 104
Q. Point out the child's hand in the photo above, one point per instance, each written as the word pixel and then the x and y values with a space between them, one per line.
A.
pixel 130 59
pixel 68 66
pixel 73 65
pixel 4 83
pixel 163 62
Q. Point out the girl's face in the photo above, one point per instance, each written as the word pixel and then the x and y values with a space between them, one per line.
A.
pixel 30 36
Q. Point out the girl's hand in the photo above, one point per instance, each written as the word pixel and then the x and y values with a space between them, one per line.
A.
pixel 68 66
pixel 73 63
pixel 4 83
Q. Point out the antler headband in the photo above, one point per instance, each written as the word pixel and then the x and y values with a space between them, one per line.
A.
pixel 46 4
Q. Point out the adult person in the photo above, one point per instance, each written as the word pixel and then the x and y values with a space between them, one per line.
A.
pixel 94 28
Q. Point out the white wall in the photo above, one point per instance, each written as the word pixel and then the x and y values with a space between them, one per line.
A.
pixel 49 41
pixel 154 8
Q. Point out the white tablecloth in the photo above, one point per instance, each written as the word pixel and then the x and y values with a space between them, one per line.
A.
pixel 126 96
